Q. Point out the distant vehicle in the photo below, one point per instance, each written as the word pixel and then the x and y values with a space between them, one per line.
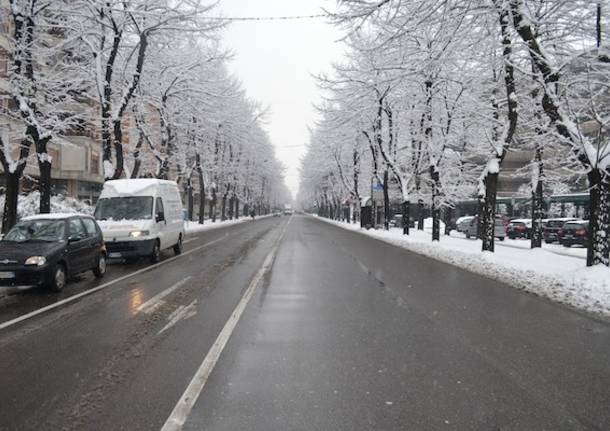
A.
pixel 288 211
pixel 396 221
pixel 552 228
pixel 519 228
pixel 472 229
pixel 574 233
pixel 462 223
pixel 48 249
pixel 140 217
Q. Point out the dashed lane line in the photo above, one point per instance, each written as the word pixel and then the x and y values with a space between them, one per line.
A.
pixel 187 401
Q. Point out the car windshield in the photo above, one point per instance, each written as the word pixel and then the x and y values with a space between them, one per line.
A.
pixel 37 230
pixel 124 208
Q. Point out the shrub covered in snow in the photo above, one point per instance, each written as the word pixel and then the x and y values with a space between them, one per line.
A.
pixel 29 205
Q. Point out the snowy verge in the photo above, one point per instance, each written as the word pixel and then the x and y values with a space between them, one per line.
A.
pixel 561 278
pixel 192 227
pixel 28 204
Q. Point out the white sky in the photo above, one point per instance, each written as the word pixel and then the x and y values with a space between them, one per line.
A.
pixel 275 61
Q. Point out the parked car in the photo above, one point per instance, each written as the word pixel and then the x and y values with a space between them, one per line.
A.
pixel 48 249
pixel 396 221
pixel 462 223
pixel 519 228
pixel 472 229
pixel 574 233
pixel 140 217
pixel 552 228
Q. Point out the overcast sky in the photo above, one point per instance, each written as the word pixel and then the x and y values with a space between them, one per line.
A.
pixel 275 61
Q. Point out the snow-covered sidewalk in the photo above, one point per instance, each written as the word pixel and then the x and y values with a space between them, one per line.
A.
pixel 552 272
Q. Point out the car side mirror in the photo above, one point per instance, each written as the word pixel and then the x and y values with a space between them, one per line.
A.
pixel 74 238
pixel 160 217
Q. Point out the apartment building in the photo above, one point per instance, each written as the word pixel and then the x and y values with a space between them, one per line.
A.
pixel 76 156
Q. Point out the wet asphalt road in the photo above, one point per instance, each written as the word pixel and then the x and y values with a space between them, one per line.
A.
pixel 344 333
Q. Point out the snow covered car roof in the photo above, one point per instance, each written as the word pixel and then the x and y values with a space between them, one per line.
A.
pixel 54 216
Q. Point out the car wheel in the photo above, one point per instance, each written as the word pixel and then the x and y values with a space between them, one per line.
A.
pixel 156 253
pixel 100 268
pixel 501 238
pixel 59 278
pixel 467 235
pixel 178 246
pixel 565 244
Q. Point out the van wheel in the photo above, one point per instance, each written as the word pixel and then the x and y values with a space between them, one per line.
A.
pixel 100 268
pixel 178 246
pixel 467 236
pixel 59 278
pixel 156 253
pixel 501 238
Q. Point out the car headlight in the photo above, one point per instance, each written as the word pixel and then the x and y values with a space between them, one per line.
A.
pixel 138 233
pixel 36 260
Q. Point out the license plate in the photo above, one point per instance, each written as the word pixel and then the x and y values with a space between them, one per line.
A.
pixel 114 255
pixel 6 274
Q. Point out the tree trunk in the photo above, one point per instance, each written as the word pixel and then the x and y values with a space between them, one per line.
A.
pixel 231 208
pixel 599 207
pixel 44 185
pixel 9 217
pixel 223 207
pixel 435 207
pixel 212 206
pixel 420 214
pixel 406 217
pixel 201 189
pixel 236 212
pixel 537 203
pixel 189 197
pixel 489 212
pixel 117 142
pixel 386 200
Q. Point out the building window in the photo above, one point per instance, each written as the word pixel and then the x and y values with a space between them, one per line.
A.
pixel 3 63
pixel 95 163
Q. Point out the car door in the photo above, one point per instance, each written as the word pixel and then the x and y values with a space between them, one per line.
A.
pixel 78 246
pixel 94 241
pixel 161 222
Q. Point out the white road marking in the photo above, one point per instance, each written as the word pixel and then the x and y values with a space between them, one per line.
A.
pixel 157 301
pixel 185 404
pixel 180 313
pixel 103 286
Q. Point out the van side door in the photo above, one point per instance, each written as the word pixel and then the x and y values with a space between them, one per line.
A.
pixel 161 222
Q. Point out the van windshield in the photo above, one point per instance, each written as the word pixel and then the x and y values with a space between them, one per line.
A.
pixel 124 208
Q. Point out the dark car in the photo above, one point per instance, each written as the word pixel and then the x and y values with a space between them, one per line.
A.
pixel 48 249
pixel 518 229
pixel 574 233
pixel 552 228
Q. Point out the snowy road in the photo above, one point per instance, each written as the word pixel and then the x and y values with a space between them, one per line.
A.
pixel 342 333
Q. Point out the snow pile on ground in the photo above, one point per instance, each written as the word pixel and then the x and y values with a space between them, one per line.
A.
pixel 194 227
pixel 556 276
pixel 28 204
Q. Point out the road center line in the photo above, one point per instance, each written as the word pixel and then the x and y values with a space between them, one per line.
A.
pixel 156 301
pixel 105 285
pixel 185 404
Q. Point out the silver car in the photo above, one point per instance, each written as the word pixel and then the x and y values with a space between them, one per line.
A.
pixel 472 228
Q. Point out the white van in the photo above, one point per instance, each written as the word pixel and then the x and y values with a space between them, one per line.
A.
pixel 140 217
